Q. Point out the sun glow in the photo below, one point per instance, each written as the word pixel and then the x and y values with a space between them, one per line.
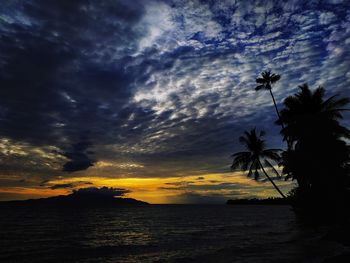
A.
pixel 158 190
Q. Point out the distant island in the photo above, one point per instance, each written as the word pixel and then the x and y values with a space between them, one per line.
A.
pixel 79 198
pixel 255 201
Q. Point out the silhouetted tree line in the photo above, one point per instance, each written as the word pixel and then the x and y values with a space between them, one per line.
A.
pixel 317 154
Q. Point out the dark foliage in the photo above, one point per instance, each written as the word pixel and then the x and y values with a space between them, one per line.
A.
pixel 319 156
pixel 255 201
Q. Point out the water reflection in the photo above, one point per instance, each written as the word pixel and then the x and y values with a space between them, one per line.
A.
pixel 161 233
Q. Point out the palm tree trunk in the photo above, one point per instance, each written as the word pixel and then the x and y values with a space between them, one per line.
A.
pixel 273 183
pixel 274 103
pixel 279 117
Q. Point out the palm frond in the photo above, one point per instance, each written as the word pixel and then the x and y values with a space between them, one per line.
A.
pixel 241 160
pixel 318 94
pixel 271 154
pixel 257 88
pixel 275 78
pixel 268 164
pixel 260 80
pixel 332 103
pixel 244 140
pixel 266 74
pixel 251 169
pixel 239 153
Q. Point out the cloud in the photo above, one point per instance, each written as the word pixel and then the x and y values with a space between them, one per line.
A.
pixel 105 191
pixel 65 185
pixel 56 79
pixel 78 157
pixel 59 186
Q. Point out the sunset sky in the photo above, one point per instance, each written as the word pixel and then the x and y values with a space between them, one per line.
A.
pixel 151 96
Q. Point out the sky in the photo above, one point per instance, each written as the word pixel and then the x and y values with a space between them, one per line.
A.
pixel 151 96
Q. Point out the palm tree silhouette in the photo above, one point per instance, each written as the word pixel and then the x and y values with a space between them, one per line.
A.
pixel 307 114
pixel 319 156
pixel 265 81
pixel 256 153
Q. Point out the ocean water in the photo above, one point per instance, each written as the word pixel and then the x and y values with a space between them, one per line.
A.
pixel 162 233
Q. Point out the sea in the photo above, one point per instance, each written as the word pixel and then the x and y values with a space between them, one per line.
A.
pixel 164 233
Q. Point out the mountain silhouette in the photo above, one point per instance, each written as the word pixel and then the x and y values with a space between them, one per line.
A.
pixel 79 198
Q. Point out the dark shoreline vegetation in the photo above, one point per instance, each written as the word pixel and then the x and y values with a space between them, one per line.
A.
pixel 317 154
pixel 256 201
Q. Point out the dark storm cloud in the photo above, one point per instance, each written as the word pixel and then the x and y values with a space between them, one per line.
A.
pixel 62 71
pixel 78 157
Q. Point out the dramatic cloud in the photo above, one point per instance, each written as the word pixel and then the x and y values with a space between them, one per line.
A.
pixel 154 89
pixel 78 157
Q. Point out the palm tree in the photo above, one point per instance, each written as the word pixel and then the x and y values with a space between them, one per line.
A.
pixel 307 114
pixel 319 156
pixel 265 81
pixel 255 153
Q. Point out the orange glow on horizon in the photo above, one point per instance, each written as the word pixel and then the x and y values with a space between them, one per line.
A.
pixel 154 190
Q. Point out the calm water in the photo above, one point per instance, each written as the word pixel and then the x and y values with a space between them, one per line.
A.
pixel 162 233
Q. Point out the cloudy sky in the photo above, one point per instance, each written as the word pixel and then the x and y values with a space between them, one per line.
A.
pixel 151 96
